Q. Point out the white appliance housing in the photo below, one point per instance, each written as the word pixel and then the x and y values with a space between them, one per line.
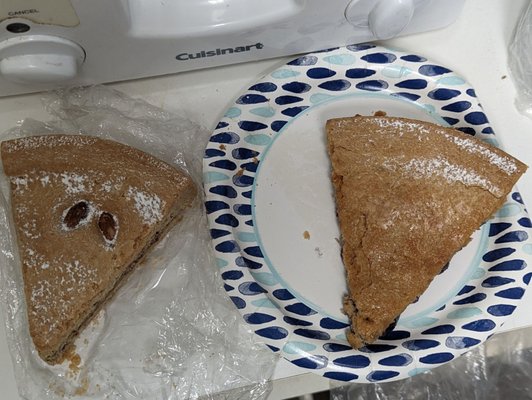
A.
pixel 53 43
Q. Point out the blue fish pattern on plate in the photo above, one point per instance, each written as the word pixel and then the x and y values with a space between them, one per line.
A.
pixel 284 322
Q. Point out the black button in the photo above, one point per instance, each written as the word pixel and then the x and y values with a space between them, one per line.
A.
pixel 18 27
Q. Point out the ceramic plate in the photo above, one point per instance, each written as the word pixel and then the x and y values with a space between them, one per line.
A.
pixel 271 212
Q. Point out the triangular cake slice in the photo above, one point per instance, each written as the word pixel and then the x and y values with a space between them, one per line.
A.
pixel 86 210
pixel 409 195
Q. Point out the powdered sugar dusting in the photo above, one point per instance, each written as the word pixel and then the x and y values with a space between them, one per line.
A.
pixel 471 146
pixel 107 186
pixel 70 280
pixel 112 184
pixel 149 206
pixel 49 141
pixel 73 182
pixel 419 168
pixel 45 180
pixel 29 229
pixel 39 293
pixel 20 183
pixel 401 126
pixel 33 259
pixel 394 215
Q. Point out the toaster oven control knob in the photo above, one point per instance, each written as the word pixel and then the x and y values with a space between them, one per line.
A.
pixel 35 59
pixel 384 18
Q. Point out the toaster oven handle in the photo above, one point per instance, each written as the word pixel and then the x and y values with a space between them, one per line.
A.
pixel 198 18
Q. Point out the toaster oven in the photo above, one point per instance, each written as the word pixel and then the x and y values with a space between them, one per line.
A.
pixel 50 43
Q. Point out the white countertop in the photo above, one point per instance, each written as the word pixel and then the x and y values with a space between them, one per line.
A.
pixel 475 46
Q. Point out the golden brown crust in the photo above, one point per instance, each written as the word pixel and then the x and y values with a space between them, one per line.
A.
pixel 86 210
pixel 409 195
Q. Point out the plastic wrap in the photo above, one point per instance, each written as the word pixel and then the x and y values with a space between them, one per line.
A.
pixel 520 62
pixel 170 332
pixel 498 369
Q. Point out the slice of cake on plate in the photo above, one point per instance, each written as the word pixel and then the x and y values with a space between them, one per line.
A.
pixel 409 195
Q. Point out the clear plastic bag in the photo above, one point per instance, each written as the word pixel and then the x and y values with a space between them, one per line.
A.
pixel 498 369
pixel 171 332
pixel 520 62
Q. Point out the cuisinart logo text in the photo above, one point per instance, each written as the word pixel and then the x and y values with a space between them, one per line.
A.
pixel 218 52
